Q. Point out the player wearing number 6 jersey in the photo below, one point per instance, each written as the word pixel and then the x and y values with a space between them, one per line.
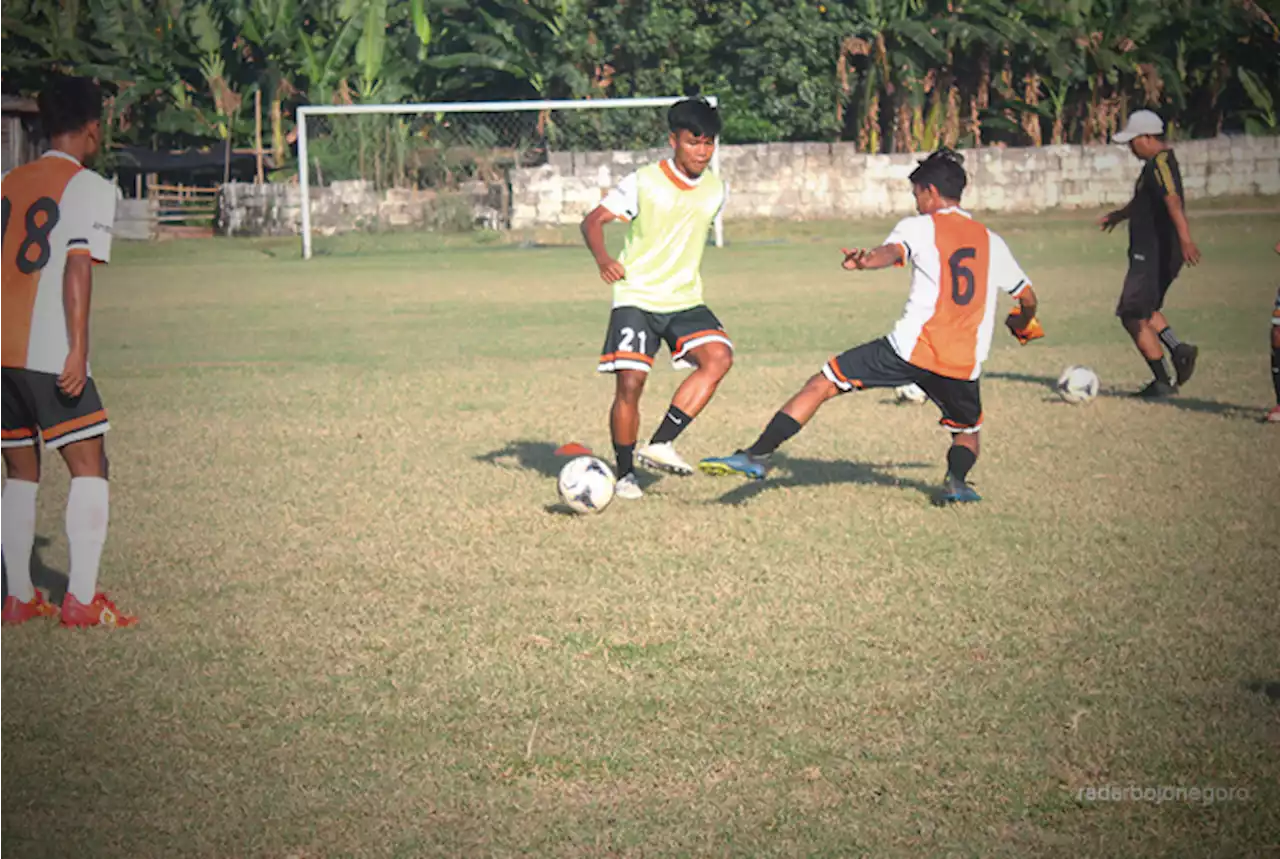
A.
pixel 58 217
pixel 657 290
pixel 944 335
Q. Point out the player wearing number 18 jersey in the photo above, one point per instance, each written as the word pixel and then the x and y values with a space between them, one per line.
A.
pixel 944 335
pixel 58 217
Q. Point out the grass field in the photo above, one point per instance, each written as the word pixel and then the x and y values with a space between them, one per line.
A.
pixel 368 630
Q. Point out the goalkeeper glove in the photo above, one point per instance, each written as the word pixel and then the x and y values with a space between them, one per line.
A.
pixel 1023 330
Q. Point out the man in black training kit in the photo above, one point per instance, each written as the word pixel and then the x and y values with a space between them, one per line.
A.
pixel 1159 243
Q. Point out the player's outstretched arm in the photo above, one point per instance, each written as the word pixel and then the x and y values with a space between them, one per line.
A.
pixel 77 284
pixel 1190 253
pixel 881 257
pixel 1111 220
pixel 593 232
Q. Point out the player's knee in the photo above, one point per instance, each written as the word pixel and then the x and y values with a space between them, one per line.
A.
pixel 22 464
pixel 820 386
pixel 718 360
pixel 629 387
pixel 1275 336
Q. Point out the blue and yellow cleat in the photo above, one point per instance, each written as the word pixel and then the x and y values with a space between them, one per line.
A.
pixel 741 463
pixel 956 491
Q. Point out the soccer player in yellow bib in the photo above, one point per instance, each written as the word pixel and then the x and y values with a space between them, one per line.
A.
pixel 657 290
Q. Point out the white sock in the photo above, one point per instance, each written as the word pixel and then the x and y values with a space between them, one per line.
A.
pixel 86 532
pixel 18 508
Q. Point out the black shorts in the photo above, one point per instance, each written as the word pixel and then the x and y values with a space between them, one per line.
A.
pixel 34 404
pixel 876 365
pixel 1151 273
pixel 634 337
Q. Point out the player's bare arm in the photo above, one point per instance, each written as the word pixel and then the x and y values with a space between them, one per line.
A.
pixel 1113 219
pixel 77 284
pixel 863 259
pixel 1190 253
pixel 611 270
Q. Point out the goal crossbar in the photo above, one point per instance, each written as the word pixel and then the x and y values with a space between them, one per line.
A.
pixel 466 107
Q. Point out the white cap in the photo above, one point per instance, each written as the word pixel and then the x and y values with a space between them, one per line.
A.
pixel 1140 122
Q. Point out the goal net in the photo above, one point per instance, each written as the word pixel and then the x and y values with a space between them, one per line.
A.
pixel 469 165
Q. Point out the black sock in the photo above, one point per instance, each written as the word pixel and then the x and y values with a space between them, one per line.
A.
pixel 1169 339
pixel 1159 370
pixel 672 425
pixel 781 427
pixel 625 464
pixel 959 460
pixel 1275 371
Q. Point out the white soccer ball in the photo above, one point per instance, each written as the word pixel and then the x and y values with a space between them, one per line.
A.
pixel 912 393
pixel 586 484
pixel 1077 384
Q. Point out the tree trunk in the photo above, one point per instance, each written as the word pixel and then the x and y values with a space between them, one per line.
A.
pixel 277 133
pixel 902 128
pixel 869 130
pixel 975 121
pixel 1031 119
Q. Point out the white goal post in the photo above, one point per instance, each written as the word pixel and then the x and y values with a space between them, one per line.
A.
pixel 470 107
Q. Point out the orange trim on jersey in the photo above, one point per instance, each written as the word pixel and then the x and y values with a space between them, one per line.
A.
pixel 948 342
pixel 626 356
pixel 707 333
pixel 24 186
pixel 15 434
pixel 675 178
pixel 906 254
pixel 57 431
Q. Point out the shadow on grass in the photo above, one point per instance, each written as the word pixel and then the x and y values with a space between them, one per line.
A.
pixel 1270 689
pixel 539 456
pixel 1190 404
pixel 54 582
pixel 790 471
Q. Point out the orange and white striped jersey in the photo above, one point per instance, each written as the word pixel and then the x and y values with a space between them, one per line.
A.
pixel 957 267
pixel 53 208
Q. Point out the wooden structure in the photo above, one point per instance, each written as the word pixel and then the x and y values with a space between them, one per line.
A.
pixel 182 211
pixel 21 143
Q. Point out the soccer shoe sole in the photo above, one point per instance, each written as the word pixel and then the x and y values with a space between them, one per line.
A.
pixel 720 469
pixel 1186 368
pixel 665 467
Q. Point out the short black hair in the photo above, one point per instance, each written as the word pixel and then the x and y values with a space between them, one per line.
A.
pixel 943 170
pixel 694 115
pixel 68 104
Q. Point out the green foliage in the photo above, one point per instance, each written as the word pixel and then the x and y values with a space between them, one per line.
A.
pixel 890 73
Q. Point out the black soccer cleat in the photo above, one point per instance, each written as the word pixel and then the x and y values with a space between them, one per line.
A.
pixel 1157 390
pixel 1184 361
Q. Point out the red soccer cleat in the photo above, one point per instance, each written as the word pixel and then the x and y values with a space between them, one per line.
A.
pixel 101 612
pixel 1273 416
pixel 15 612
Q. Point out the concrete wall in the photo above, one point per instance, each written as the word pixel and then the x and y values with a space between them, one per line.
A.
pixel 246 209
pixel 787 181
pixel 825 180
pixel 135 220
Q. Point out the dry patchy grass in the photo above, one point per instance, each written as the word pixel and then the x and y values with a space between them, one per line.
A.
pixel 367 632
